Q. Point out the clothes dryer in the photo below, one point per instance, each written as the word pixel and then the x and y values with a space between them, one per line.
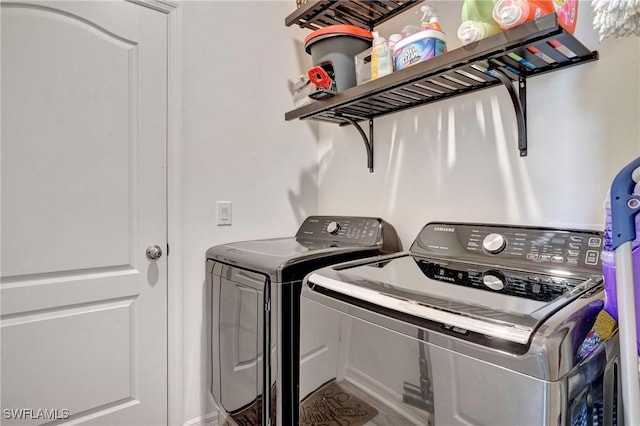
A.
pixel 255 311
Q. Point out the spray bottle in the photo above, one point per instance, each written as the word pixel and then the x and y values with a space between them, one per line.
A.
pixel 429 19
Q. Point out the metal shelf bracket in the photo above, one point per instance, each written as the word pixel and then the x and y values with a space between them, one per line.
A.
pixel 519 101
pixel 368 141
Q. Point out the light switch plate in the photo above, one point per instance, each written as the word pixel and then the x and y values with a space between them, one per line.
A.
pixel 224 213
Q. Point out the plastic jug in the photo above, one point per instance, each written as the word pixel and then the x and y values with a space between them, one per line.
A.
pixel 477 21
pixel 472 31
pixel 567 11
pixel 511 13
pixel 478 10
pixel 381 57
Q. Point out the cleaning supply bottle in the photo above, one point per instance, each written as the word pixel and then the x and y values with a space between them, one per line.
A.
pixel 409 30
pixel 477 21
pixel 381 57
pixel 608 263
pixel 472 31
pixel 567 11
pixel 478 10
pixel 430 22
pixel 429 19
pixel 511 13
pixel 393 39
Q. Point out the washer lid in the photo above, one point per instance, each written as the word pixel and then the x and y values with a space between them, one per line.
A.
pixel 473 298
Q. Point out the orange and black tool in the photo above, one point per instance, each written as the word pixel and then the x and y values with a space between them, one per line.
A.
pixel 325 85
pixel 320 78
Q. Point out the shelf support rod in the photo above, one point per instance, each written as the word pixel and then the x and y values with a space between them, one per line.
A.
pixel 368 142
pixel 519 101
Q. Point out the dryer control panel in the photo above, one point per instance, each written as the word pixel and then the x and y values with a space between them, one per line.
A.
pixel 347 229
pixel 528 247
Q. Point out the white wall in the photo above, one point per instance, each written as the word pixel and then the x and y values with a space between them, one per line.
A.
pixel 453 160
pixel 457 159
pixel 237 59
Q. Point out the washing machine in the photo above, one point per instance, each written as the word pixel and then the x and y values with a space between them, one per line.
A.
pixel 477 324
pixel 255 311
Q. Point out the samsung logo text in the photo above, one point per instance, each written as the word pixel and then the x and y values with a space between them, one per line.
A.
pixel 444 229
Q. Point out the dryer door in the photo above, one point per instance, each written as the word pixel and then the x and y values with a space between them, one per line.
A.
pixel 240 332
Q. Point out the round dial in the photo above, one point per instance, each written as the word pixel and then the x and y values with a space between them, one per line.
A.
pixel 494 243
pixel 333 228
pixel 494 282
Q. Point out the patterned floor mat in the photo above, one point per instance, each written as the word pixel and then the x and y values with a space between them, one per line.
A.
pixel 331 405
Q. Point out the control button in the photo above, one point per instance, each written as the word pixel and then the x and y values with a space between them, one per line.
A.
pixel 532 256
pixel 545 258
pixel 557 259
pixel 573 253
pixel 572 261
pixel 333 228
pixel 493 282
pixel 494 243
pixel 576 239
pixel 574 246
pixel 594 242
pixel 535 288
pixel 592 257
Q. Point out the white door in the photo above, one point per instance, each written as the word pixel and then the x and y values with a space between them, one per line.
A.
pixel 83 194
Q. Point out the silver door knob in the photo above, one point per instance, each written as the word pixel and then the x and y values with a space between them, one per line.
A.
pixel 154 252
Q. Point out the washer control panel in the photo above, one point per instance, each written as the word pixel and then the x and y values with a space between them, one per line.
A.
pixel 543 288
pixel 359 230
pixel 512 245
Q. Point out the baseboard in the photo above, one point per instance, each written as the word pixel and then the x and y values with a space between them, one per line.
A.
pixel 209 419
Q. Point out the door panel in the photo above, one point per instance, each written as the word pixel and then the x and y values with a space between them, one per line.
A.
pixel 59 142
pixel 101 335
pixel 83 310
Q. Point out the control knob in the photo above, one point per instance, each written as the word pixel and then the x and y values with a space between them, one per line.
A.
pixel 494 243
pixel 494 280
pixel 333 228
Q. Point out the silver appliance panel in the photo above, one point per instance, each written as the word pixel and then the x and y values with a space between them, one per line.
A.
pixel 412 375
pixel 242 332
